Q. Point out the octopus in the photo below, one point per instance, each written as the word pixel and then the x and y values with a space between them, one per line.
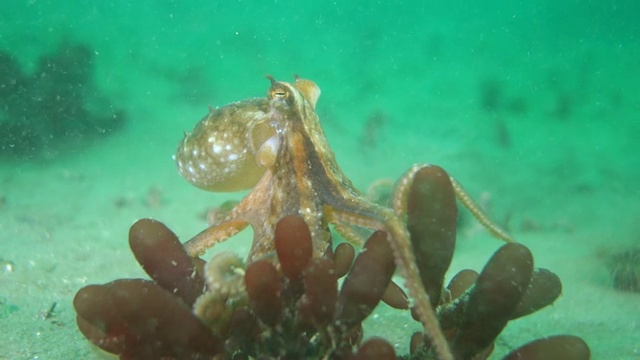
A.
pixel 276 147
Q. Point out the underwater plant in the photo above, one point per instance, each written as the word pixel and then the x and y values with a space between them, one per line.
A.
pixel 289 306
pixel 253 311
pixel 624 269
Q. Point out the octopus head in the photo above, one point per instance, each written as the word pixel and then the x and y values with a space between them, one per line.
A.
pixel 230 148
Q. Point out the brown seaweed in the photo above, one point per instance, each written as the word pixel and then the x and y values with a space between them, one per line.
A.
pixel 292 307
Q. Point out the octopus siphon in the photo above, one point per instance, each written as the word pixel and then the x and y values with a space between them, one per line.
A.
pixel 276 147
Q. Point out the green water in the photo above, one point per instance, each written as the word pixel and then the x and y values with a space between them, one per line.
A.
pixel 531 105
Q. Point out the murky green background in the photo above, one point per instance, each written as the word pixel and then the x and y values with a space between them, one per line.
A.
pixel 532 105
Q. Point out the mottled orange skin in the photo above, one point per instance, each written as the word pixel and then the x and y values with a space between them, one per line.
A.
pixel 279 142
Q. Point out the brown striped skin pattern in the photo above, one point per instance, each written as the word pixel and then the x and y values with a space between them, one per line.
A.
pixel 276 146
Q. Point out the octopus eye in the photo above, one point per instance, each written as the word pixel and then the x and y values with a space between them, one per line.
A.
pixel 278 90
pixel 278 93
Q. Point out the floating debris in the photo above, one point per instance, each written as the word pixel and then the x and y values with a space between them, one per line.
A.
pixel 7 266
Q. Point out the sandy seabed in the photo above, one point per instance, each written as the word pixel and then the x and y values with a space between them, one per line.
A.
pixel 555 159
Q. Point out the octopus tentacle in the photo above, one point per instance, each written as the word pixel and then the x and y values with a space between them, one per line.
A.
pixel 401 192
pixel 403 252
pixel 349 233
pixel 398 238
pixel 213 235
pixel 478 213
